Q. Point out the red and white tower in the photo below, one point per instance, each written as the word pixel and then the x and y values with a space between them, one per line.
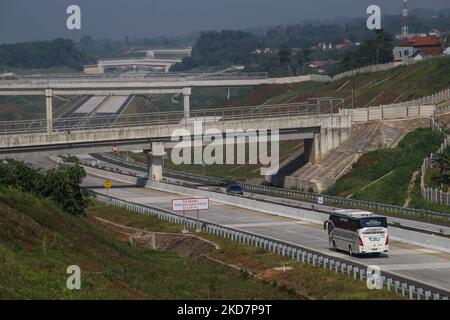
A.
pixel 405 30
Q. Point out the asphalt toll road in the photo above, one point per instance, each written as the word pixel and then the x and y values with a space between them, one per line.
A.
pixel 429 227
pixel 419 264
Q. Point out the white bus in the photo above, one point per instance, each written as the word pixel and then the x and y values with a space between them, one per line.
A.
pixel 357 232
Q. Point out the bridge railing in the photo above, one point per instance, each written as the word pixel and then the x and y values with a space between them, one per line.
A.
pixel 218 115
pixel 137 77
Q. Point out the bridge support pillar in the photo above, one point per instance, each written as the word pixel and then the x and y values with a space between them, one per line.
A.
pixel 155 159
pixel 186 102
pixel 49 109
pixel 312 148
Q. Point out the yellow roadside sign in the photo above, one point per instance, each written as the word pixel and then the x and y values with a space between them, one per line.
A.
pixel 107 184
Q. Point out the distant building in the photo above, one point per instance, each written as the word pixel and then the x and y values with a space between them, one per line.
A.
pixel 316 64
pixel 347 44
pixel 418 48
pixel 435 33
pixel 92 69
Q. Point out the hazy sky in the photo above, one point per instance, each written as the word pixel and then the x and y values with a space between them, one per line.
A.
pixel 22 20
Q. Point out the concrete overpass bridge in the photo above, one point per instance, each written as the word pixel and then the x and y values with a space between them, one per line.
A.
pixel 322 130
pixel 167 52
pixel 172 83
pixel 166 64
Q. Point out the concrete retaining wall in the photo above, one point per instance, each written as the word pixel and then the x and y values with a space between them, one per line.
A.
pixel 391 112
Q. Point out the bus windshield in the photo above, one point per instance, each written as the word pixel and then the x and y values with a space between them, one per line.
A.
pixel 380 222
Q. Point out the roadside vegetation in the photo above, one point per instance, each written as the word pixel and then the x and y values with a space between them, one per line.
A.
pixel 60 185
pixel 417 201
pixel 38 242
pixel 439 175
pixel 385 175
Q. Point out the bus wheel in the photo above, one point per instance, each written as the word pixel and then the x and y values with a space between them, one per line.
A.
pixel 350 251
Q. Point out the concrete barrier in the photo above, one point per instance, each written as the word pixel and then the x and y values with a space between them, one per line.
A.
pixel 391 112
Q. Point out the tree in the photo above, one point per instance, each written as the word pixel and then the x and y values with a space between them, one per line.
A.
pixel 376 50
pixel 87 42
pixel 62 184
pixel 285 58
pixel 63 187
pixel 220 49
pixel 306 54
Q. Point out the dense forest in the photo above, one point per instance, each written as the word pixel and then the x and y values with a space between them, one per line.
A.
pixel 42 55
pixel 376 50
pixel 222 49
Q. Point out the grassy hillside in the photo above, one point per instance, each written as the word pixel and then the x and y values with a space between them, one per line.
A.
pixel 38 244
pixel 385 175
pixel 371 89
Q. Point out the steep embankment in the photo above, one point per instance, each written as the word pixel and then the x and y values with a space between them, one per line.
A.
pixel 38 242
pixel 386 175
pixel 400 84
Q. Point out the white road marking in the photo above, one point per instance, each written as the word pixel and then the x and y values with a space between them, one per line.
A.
pixel 264 224
pixel 416 266
pixel 413 251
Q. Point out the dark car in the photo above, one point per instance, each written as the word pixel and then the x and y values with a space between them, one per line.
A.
pixel 235 189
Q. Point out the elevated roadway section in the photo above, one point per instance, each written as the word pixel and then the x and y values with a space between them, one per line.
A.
pixel 126 84
pixel 322 132
pixel 136 64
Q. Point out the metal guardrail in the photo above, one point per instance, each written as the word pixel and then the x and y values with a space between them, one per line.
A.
pixel 320 107
pixel 305 255
pixel 309 196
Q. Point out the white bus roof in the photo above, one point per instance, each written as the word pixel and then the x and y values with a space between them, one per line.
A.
pixel 355 213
